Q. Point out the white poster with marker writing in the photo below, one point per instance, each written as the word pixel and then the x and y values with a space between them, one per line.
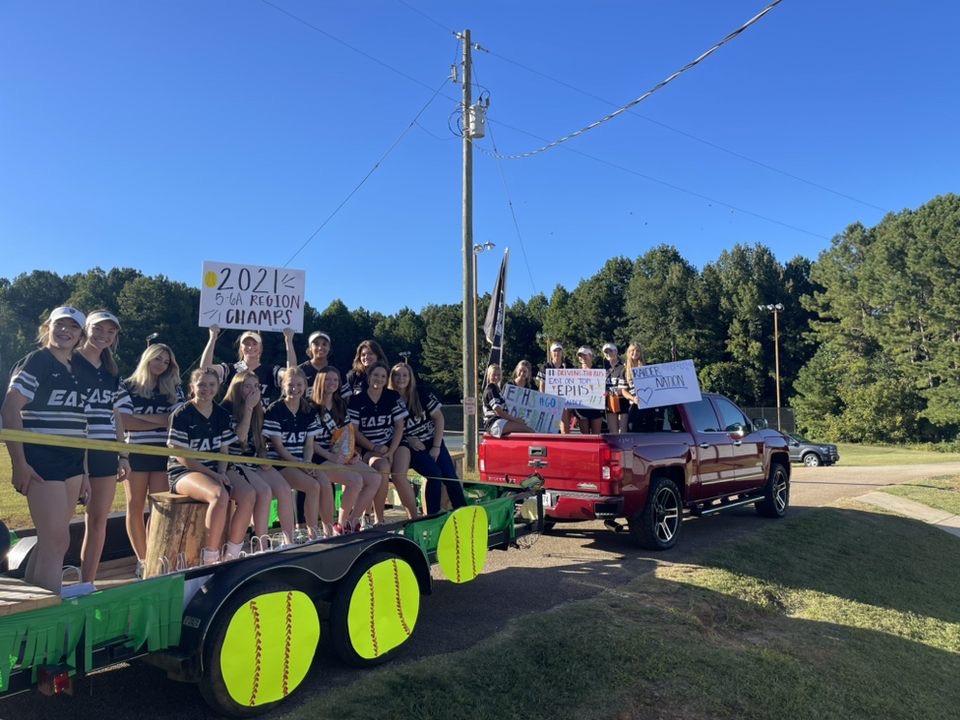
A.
pixel 251 297
pixel 666 384
pixel 579 388
pixel 540 411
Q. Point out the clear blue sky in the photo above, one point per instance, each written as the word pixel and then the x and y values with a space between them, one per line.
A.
pixel 160 134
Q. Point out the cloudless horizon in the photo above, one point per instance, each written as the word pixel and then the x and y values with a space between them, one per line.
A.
pixel 160 135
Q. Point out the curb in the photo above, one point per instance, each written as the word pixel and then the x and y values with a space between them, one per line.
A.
pixel 924 513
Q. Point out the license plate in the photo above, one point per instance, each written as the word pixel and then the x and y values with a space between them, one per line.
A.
pixel 550 499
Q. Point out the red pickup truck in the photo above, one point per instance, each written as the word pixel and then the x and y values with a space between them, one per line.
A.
pixel 702 457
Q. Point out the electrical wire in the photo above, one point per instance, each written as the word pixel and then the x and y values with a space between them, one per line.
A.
pixel 428 17
pixel 663 83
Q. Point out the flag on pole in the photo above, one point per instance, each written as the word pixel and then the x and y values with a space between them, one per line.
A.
pixel 496 313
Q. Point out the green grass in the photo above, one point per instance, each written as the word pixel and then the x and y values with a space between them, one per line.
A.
pixel 874 455
pixel 941 493
pixel 835 613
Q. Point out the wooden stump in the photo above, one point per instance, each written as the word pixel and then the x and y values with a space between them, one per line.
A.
pixel 177 533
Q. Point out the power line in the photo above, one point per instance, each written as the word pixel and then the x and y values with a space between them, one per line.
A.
pixel 663 83
pixel 428 17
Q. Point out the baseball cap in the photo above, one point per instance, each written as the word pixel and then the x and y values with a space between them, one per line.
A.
pixel 100 316
pixel 584 350
pixel 251 334
pixel 556 346
pixel 318 333
pixel 68 312
pixel 609 346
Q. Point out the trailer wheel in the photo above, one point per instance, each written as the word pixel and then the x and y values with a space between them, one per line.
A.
pixel 374 610
pixel 259 649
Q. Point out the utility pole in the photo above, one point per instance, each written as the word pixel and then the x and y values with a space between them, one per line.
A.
pixel 469 291
pixel 776 310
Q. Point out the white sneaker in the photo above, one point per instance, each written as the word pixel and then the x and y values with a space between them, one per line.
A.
pixel 366 522
pixel 77 590
pixel 209 557
pixel 141 568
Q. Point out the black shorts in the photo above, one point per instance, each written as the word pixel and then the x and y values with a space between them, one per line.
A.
pixel 54 463
pixel 588 414
pixel 148 463
pixel 101 463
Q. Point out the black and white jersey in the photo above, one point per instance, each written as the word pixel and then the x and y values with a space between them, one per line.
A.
pixel 293 429
pixel 56 397
pixel 422 426
pixel 615 377
pixel 492 399
pixel 105 393
pixel 542 372
pixel 157 404
pixel 269 378
pixel 311 373
pixel 190 430
pixel 244 447
pixel 354 384
pixel 375 419
pixel 327 425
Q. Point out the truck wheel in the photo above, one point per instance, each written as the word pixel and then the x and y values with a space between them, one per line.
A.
pixel 374 610
pixel 259 648
pixel 811 459
pixel 776 495
pixel 657 526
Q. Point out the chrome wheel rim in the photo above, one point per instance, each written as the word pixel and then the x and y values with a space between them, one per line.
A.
pixel 667 508
pixel 811 460
pixel 781 492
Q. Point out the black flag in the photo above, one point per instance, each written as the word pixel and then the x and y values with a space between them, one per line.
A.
pixel 496 313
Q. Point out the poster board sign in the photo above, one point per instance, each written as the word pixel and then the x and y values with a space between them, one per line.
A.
pixel 540 411
pixel 666 384
pixel 251 297
pixel 579 388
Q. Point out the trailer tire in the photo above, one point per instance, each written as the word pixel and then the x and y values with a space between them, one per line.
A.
pixel 259 648
pixel 374 610
pixel 657 525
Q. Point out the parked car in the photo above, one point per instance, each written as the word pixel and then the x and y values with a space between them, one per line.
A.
pixel 810 453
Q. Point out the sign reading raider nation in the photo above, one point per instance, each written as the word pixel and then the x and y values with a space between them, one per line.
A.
pixel 666 384
pixel 251 297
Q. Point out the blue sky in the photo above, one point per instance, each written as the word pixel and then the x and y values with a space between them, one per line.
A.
pixel 160 134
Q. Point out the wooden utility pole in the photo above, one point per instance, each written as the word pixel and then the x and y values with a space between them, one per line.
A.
pixel 469 291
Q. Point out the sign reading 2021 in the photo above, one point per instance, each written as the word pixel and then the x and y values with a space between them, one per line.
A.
pixel 666 384
pixel 251 297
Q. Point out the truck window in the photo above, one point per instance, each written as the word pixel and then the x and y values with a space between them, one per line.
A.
pixel 731 416
pixel 658 419
pixel 702 416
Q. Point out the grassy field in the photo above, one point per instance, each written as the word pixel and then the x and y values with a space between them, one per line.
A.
pixel 835 613
pixel 874 455
pixel 940 493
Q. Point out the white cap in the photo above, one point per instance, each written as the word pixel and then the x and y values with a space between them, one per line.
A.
pixel 318 333
pixel 609 346
pixel 584 350
pixel 100 316
pixel 251 334
pixel 556 346
pixel 68 312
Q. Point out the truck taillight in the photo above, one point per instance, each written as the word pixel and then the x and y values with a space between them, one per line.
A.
pixel 611 464
pixel 481 465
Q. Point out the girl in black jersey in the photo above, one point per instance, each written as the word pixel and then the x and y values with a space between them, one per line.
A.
pixel 289 426
pixel 378 414
pixel 336 442
pixel 590 420
pixel 555 362
pixel 627 389
pixel 242 401
pixel 94 359
pixel 617 405
pixel 318 357
pixel 423 447
pixel 153 392
pixel 496 420
pixel 369 353
pixel 523 375
pixel 46 397
pixel 201 424
pixel 249 355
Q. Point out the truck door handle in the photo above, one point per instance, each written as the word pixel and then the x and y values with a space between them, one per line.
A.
pixel 537 463
pixel 738 443
pixel 704 446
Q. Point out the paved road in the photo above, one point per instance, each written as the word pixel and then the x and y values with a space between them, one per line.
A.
pixel 577 561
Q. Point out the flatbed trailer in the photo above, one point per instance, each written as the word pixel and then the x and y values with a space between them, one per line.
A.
pixel 247 631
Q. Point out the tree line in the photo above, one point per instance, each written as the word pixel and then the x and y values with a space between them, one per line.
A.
pixel 868 334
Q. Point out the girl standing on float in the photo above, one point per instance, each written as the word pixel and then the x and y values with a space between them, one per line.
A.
pixel 523 375
pixel 379 414
pixel 94 361
pixel 318 357
pixel 242 401
pixel 200 424
pixel 627 389
pixel 290 425
pixel 359 489
pixel 369 353
pixel 153 392
pixel 250 351
pixel 45 396
pixel 617 405
pixel 590 420
pixel 496 420
pixel 422 447
pixel 555 362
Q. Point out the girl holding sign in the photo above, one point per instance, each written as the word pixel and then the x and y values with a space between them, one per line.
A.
pixel 555 362
pixel 617 405
pixel 249 353
pixel 590 420
pixel 523 375
pixel 496 420
pixel 627 389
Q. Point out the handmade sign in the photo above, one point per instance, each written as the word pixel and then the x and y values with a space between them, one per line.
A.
pixel 579 388
pixel 540 411
pixel 251 297
pixel 666 384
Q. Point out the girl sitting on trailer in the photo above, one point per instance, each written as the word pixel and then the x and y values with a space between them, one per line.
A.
pixel 496 420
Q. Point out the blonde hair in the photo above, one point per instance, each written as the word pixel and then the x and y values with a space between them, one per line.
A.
pixel 43 335
pixel 199 373
pixel 490 368
pixel 338 408
pixel 234 395
pixel 288 375
pixel 628 362
pixel 527 365
pixel 142 383
pixel 409 395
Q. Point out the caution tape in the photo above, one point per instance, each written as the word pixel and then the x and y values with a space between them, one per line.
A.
pixel 33 438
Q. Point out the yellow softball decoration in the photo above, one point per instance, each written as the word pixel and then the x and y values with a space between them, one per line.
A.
pixel 210 279
pixel 462 547
pixel 384 607
pixel 269 647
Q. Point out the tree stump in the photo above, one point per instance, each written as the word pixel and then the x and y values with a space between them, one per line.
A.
pixel 177 533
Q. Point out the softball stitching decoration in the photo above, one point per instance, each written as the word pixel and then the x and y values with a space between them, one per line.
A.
pixel 383 608
pixel 462 547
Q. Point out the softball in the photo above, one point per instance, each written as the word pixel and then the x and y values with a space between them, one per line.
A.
pixel 210 279
pixel 269 647
pixel 384 607
pixel 462 548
